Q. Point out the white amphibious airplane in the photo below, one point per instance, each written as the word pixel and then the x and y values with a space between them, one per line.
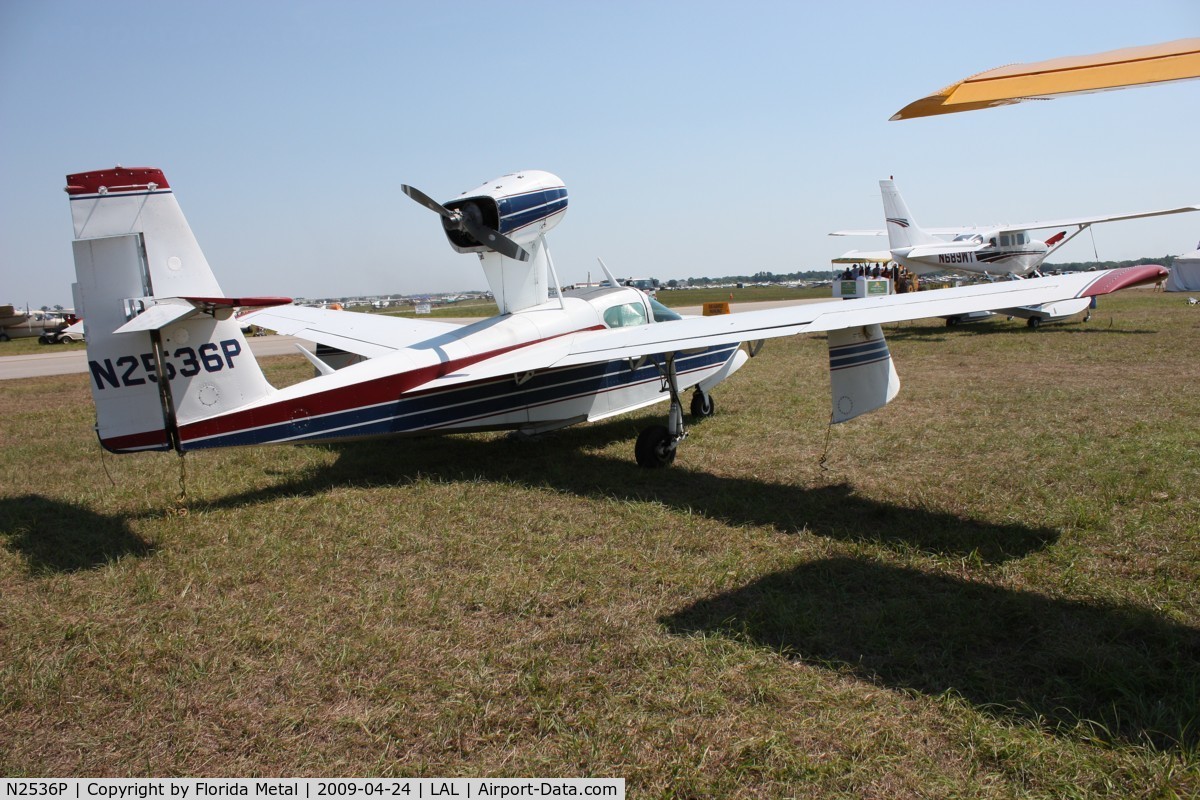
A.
pixel 1005 251
pixel 153 310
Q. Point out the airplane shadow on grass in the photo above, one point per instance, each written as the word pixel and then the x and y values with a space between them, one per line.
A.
pixel 54 536
pixel 1012 654
pixel 1130 673
pixel 925 333
pixel 563 462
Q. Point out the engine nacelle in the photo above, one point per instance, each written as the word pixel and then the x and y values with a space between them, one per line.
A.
pixel 522 206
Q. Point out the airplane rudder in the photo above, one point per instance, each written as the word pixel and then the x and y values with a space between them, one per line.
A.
pixel 135 255
pixel 902 228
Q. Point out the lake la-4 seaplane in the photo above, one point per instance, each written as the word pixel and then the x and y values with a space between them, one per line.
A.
pixel 551 358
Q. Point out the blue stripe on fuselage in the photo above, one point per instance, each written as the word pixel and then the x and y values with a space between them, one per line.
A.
pixel 416 412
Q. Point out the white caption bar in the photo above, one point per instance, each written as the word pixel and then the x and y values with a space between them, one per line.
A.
pixel 316 788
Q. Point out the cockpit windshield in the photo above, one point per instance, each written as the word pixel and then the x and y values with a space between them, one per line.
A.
pixel 661 312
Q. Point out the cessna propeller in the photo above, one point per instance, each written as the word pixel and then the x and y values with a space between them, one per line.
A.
pixel 469 220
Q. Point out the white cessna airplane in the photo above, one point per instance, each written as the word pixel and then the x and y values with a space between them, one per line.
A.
pixel 1001 251
pixel 170 369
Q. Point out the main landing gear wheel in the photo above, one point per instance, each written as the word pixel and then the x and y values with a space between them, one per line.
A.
pixel 657 444
pixel 1034 322
pixel 655 447
pixel 702 405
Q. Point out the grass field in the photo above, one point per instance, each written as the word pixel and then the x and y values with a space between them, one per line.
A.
pixel 988 589
pixel 29 345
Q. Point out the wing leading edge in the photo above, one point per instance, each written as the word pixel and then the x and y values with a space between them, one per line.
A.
pixel 841 314
pixel 1115 69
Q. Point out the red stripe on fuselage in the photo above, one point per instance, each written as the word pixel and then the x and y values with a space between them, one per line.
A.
pixel 345 398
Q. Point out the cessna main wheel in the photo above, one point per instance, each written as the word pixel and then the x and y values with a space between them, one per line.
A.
pixel 654 448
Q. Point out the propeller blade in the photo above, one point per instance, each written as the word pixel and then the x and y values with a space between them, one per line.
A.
pixel 494 239
pixel 426 200
pixel 464 222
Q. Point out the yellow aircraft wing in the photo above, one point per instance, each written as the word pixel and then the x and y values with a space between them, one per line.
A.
pixel 1116 69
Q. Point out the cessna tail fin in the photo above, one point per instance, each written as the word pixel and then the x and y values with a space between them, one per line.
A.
pixel 902 229
pixel 152 307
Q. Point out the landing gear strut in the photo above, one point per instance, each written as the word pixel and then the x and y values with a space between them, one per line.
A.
pixel 656 444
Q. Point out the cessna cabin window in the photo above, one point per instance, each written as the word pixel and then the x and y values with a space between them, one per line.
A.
pixel 625 315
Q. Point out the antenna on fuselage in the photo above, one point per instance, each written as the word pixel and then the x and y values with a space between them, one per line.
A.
pixel 553 272
pixel 608 275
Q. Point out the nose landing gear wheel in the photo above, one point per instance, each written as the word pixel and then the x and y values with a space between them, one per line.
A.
pixel 702 405
pixel 655 447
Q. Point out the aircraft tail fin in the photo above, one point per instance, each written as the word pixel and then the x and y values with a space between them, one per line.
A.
pixel 862 377
pixel 902 229
pixel 152 307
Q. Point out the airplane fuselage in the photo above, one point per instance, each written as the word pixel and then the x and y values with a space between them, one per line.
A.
pixel 998 259
pixel 417 390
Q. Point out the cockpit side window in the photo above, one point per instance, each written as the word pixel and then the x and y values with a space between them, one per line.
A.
pixel 625 315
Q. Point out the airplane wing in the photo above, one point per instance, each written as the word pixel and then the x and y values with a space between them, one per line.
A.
pixel 864 257
pixel 1083 221
pixel 835 315
pixel 369 335
pixel 694 333
pixel 1115 69
pixel 934 231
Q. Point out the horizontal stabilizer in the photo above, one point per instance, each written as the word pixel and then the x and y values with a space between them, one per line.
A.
pixel 933 250
pixel 368 335
pixel 163 311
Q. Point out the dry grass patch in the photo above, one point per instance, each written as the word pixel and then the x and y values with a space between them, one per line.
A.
pixel 987 590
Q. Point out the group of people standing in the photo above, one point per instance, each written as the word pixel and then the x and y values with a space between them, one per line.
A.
pixel 902 280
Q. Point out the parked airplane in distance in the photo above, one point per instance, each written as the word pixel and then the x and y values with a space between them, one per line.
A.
pixel 1004 251
pixel 997 251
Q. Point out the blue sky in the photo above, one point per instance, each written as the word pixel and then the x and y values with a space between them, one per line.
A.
pixel 695 138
